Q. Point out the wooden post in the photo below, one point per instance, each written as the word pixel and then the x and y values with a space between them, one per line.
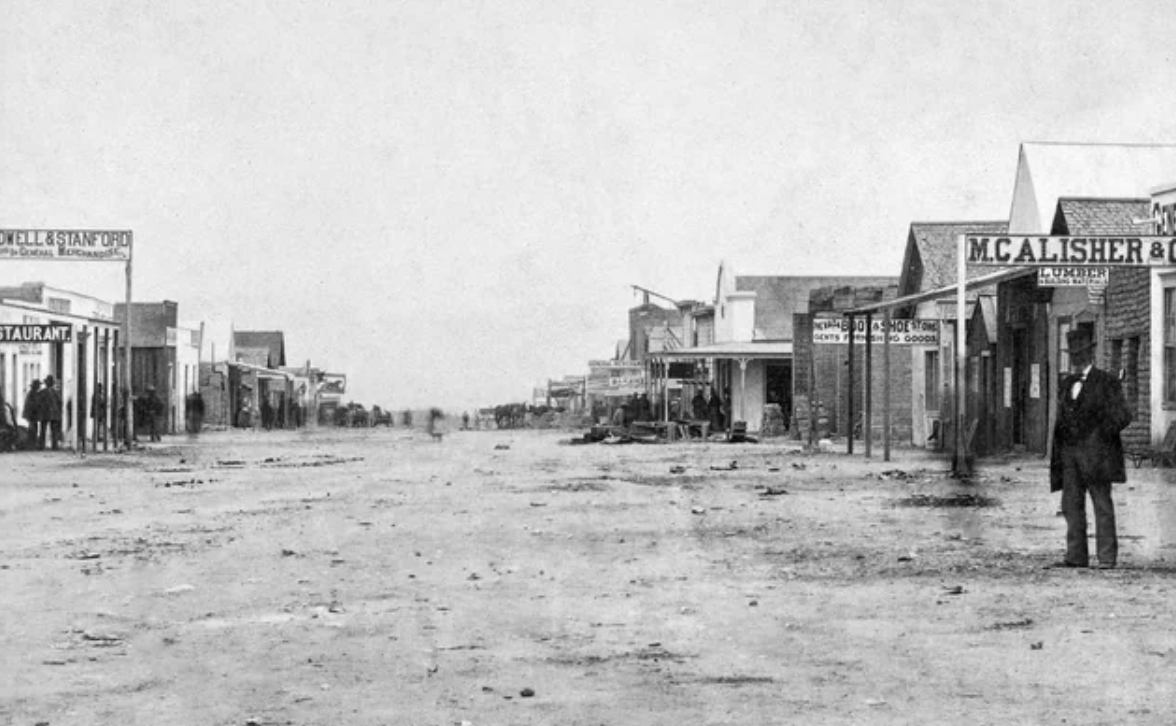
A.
pixel 961 466
pixel 127 378
pixel 886 385
pixel 868 419
pixel 849 398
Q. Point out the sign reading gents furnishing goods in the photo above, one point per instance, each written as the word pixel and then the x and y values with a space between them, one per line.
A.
pixel 1069 251
pixel 36 333
pixel 75 245
pixel 901 332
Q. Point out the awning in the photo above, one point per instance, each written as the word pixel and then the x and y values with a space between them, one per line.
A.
pixel 730 349
pixel 992 278
pixel 264 372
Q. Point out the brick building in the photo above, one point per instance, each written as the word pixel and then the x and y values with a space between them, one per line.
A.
pixel 822 373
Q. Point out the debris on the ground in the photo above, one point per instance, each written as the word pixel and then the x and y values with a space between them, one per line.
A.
pixel 85 555
pixel 773 492
pixel 698 510
pixel 677 469
pixel 502 447
pixel 953 590
pixel 527 692
pixel 178 590
pixel 1037 646
pixel 1013 624
pixel 729 467
pixel 906 558
pixel 798 466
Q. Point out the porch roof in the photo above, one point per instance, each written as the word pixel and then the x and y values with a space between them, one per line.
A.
pixel 992 278
pixel 732 349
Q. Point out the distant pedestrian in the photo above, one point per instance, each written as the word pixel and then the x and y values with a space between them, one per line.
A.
pixel 32 412
pixel 714 410
pixel 1087 452
pixel 698 406
pixel 153 409
pixel 51 413
pixel 194 412
pixel 98 412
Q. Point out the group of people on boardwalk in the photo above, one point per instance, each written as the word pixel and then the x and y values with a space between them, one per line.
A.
pixel 42 409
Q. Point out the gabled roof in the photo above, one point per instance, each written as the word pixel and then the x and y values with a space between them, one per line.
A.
pixel 932 250
pixel 1076 216
pixel 778 298
pixel 1047 172
pixel 273 341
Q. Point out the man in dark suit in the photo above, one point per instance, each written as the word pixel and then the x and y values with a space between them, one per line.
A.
pixel 1088 453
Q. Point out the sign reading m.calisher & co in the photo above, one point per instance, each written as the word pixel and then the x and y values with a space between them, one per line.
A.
pixel 75 245
pixel 1069 251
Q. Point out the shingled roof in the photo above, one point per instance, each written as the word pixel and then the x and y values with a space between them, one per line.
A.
pixel 273 341
pixel 1085 215
pixel 932 251
pixel 777 298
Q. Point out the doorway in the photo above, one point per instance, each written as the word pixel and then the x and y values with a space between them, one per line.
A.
pixel 778 388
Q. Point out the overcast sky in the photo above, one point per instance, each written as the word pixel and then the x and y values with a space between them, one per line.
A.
pixel 448 201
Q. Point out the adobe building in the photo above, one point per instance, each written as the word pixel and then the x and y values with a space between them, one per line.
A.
pixel 164 355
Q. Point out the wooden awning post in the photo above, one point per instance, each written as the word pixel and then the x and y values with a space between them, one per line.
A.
pixel 886 385
pixel 868 418
pixel 849 398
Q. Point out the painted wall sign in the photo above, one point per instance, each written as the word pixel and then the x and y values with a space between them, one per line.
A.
pixel 1035 380
pixel 1073 276
pixel 1069 251
pixel 75 245
pixel 831 331
pixel 615 364
pixel 36 333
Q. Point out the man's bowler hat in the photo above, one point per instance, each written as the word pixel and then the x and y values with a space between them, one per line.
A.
pixel 1079 341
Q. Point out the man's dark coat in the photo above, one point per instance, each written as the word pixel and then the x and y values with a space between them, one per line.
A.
pixel 1092 423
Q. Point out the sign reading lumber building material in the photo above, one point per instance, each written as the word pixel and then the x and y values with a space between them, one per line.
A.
pixel 834 331
pixel 74 245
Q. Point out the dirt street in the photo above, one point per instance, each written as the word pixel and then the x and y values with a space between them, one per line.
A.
pixel 379 577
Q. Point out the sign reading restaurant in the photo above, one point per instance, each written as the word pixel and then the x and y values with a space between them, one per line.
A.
pixel 902 332
pixel 1069 251
pixel 36 333
pixel 65 244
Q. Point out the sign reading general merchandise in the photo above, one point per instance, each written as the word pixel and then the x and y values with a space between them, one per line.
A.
pixel 1069 251
pixel 901 332
pixel 36 333
pixel 615 378
pixel 75 245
